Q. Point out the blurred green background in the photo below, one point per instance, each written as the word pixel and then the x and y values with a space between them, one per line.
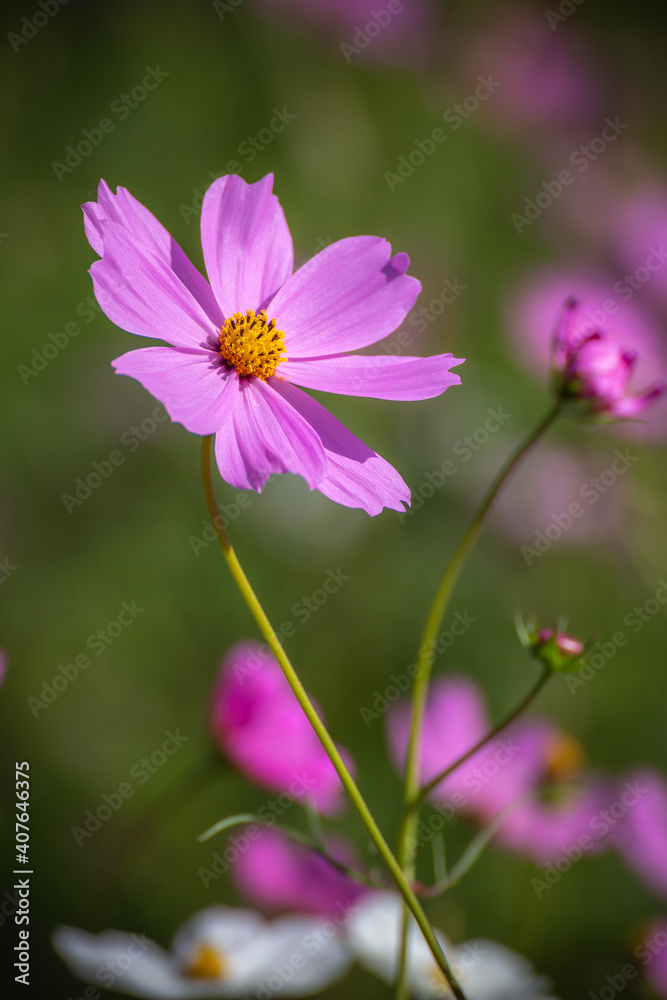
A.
pixel 130 540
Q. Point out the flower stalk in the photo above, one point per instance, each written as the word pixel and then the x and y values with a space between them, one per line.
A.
pixel 411 790
pixel 269 634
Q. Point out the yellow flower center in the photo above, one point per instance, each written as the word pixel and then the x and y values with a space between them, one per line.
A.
pixel 207 963
pixel 564 758
pixel 252 344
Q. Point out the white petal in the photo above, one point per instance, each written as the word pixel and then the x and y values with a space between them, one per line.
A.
pixel 123 963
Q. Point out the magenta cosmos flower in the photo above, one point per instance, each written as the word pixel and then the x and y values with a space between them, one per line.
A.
pixel 258 723
pixel 276 873
pixel 239 346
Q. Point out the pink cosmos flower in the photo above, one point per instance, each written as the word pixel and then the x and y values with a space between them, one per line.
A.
pixel 605 364
pixel 643 832
pixel 258 723
pixel 592 371
pixel 239 346
pixel 276 873
pixel 525 758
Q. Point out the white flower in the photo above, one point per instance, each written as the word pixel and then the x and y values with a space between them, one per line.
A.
pixel 486 970
pixel 220 952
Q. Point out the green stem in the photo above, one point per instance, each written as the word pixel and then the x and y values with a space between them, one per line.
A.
pixel 503 724
pixel 265 627
pixel 425 660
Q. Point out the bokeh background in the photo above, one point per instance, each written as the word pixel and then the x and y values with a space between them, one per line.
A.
pixel 66 573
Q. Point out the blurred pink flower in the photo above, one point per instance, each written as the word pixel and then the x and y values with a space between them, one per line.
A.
pixel 592 371
pixel 276 873
pixel 258 723
pixel 643 833
pixel 547 78
pixel 545 488
pixel 395 34
pixel 3 666
pixel 528 756
pixel 454 721
pixel 639 232
pixel 533 314
pixel 564 821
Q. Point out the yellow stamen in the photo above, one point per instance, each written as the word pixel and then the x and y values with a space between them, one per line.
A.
pixel 564 757
pixel 252 344
pixel 207 963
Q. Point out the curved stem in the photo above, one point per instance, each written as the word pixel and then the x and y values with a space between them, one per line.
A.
pixel 425 659
pixel 265 627
pixel 503 724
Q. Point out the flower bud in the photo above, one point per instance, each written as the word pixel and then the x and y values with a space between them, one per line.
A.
pixel 591 372
pixel 556 649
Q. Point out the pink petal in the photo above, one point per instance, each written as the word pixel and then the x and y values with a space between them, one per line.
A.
pixel 141 294
pixel 632 406
pixel 126 211
pixel 454 721
pixel 382 376
pixel 246 242
pixel 350 295
pixel 267 435
pixel 356 476
pixel 196 387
